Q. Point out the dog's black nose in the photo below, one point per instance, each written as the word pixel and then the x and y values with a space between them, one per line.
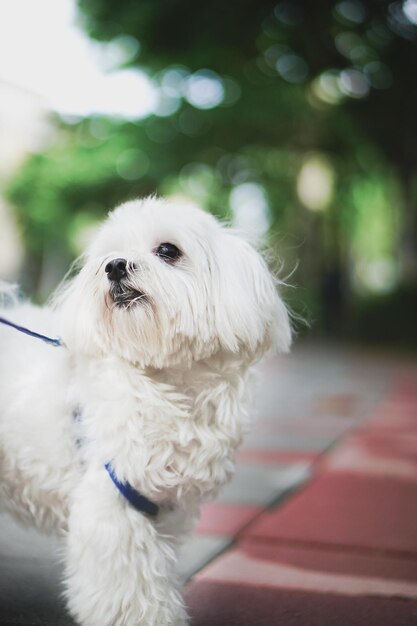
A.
pixel 116 269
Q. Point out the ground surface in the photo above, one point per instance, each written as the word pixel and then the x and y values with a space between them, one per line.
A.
pixel 319 526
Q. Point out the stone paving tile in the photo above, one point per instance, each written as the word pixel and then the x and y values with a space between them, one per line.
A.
pixel 226 519
pixel 337 404
pixel 213 603
pixel 262 484
pixel 200 550
pixel 18 541
pixel 30 575
pixel 316 426
pixel 277 457
pixel 349 511
pixel 375 453
pixel 315 375
pixel 30 594
pixel 315 570
pixel 389 423
pixel 285 441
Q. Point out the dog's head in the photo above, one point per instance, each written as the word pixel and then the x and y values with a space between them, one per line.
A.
pixel 166 284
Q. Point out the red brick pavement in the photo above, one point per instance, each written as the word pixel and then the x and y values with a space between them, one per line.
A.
pixel 342 550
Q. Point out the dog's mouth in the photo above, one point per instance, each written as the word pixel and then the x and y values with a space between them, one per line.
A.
pixel 125 296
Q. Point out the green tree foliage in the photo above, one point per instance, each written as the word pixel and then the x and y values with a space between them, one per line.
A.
pixel 254 92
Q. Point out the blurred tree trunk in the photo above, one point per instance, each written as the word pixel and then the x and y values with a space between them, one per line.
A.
pixel 408 238
pixel 334 269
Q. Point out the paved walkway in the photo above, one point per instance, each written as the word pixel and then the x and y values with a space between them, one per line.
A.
pixel 319 526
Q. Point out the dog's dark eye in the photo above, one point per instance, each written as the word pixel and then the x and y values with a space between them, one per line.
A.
pixel 168 252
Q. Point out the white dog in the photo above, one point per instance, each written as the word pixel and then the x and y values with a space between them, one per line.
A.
pixel 118 436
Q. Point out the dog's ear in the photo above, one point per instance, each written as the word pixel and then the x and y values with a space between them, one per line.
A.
pixel 249 313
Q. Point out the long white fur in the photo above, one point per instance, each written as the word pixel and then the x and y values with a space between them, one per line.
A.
pixel 163 387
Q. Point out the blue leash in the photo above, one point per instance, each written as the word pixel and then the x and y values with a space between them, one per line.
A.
pixel 49 340
pixel 135 498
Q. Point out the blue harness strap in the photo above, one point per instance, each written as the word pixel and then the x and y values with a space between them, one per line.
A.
pixel 135 498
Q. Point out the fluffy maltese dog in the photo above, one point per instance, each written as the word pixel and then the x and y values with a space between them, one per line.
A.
pixel 116 438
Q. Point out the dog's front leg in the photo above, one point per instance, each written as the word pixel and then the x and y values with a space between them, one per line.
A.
pixel 119 570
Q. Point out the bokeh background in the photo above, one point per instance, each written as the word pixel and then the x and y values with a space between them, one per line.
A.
pixel 295 120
